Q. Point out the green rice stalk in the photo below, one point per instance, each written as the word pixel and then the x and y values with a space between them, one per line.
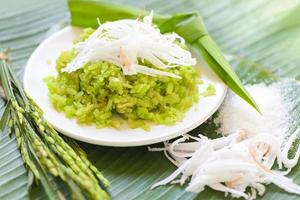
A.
pixel 44 152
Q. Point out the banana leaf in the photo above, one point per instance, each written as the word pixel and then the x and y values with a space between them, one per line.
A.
pixel 260 37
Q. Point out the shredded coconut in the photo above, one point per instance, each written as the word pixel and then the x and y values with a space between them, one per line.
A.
pixel 240 162
pixel 125 42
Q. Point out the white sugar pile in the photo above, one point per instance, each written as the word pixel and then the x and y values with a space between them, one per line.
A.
pixel 235 114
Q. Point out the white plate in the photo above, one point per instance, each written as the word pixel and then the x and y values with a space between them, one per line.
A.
pixel 42 64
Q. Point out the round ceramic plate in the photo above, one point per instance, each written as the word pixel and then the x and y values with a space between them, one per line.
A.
pixel 42 64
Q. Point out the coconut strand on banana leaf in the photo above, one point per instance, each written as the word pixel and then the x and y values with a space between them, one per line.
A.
pixel 190 26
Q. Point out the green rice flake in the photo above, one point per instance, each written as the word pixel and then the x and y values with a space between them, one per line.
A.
pixel 210 91
pixel 99 91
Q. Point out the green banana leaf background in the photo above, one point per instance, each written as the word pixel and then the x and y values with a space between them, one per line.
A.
pixel 261 38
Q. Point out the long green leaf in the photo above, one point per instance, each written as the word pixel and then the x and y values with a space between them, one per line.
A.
pixel 187 25
pixel 5 117
pixel 213 56
pixel 105 11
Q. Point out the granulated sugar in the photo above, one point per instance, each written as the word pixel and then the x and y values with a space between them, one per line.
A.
pixel 235 114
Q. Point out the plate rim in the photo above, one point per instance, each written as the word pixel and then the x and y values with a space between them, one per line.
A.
pixel 146 141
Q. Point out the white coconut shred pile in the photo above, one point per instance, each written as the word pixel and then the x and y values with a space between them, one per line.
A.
pixel 240 162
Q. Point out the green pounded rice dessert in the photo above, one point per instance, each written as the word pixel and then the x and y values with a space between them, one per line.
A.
pixel 98 92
